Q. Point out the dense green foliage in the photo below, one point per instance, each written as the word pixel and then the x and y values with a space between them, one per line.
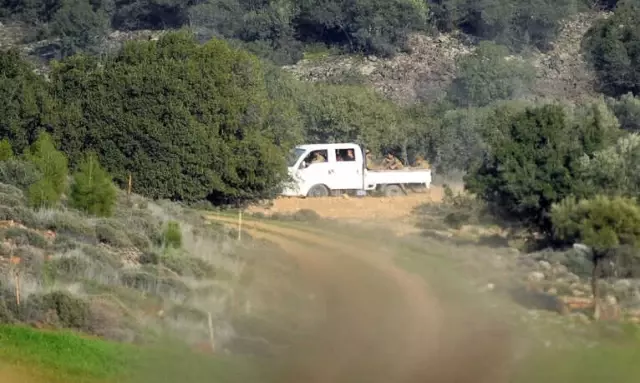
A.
pixel 602 223
pixel 532 161
pixel 25 101
pixel 281 29
pixel 53 167
pixel 92 189
pixel 612 48
pixel 487 75
pixel 188 121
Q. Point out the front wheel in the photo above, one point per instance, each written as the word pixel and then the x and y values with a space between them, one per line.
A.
pixel 318 191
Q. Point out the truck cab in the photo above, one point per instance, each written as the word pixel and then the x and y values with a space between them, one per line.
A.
pixel 319 168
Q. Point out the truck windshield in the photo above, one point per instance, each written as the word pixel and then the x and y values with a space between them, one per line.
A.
pixel 294 154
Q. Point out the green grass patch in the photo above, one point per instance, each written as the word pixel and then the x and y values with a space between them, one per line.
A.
pixel 604 362
pixel 64 356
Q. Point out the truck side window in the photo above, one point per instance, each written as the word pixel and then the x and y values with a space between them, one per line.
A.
pixel 316 156
pixel 345 155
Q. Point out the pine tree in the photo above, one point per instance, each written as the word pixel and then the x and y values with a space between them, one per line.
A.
pixel 92 189
pixel 53 165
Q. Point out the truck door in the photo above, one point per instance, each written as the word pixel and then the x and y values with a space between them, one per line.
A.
pixel 315 169
pixel 347 174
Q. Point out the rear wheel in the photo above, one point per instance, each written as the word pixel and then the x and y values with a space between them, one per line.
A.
pixel 393 191
pixel 318 191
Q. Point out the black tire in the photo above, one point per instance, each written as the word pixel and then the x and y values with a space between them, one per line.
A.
pixel 393 191
pixel 318 191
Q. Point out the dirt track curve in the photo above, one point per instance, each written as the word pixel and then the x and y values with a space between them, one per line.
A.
pixel 382 324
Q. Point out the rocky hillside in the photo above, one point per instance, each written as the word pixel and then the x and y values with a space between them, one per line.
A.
pixel 421 74
pixel 425 72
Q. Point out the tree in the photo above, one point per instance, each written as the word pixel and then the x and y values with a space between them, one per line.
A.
pixel 531 161
pixel 334 113
pixel 611 46
pixel 52 164
pixel 81 25
pixel 602 223
pixel 487 75
pixel 370 26
pixel 614 170
pixel 92 189
pixel 627 110
pixel 188 121
pixel 516 24
pixel 26 104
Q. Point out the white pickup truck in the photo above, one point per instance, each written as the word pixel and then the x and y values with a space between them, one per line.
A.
pixel 344 170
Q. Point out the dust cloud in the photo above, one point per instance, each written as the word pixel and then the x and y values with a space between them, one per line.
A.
pixel 382 324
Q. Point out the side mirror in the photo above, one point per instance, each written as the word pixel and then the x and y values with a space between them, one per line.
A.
pixel 304 165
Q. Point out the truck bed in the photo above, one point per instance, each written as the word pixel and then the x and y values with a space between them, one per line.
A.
pixel 403 176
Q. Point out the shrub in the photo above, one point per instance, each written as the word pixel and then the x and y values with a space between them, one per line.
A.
pixel 185 265
pixel 92 189
pixel 6 315
pixel 67 222
pixel 20 174
pixel 612 49
pixel 25 237
pixel 112 233
pixel 532 162
pixel 202 132
pixel 70 312
pixel 146 280
pixel 12 192
pixel 173 235
pixel 101 256
pixel 43 194
pixel 6 152
pixel 606 225
pixel 69 268
pixel 613 170
pixel 627 110
pixel 487 75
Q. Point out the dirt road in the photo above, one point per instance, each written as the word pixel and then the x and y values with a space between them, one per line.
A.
pixel 381 323
pixel 363 209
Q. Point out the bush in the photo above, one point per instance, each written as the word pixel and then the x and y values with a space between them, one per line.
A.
pixel 6 152
pixel 13 193
pixel 487 75
pixel 112 233
pixel 92 190
pixel 515 23
pixel 202 133
pixel 532 162
pixel 188 266
pixel 173 235
pixel 68 268
pixel 43 194
pixel 70 312
pixel 613 170
pixel 612 49
pixel 18 214
pixel 146 280
pixel 67 222
pixel 627 110
pixel 26 100
pixel 20 174
pixel 25 237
